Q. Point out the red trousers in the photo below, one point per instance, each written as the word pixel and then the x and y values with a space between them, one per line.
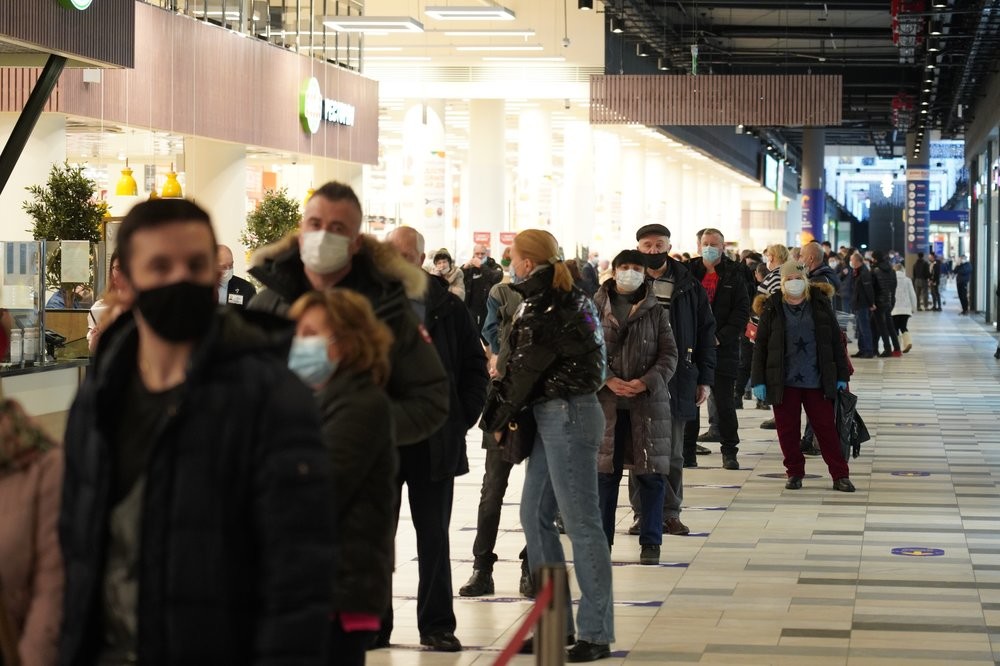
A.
pixel 788 419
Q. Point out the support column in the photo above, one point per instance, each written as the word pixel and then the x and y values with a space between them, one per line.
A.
pixel 487 201
pixel 215 177
pixel 916 215
pixel 46 146
pixel 813 187
pixel 579 192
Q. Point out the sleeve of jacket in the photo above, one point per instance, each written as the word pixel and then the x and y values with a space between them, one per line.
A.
pixel 418 383
pixel 704 353
pixel 839 349
pixel 529 361
pixel 758 364
pixel 472 375
pixel 867 286
pixel 491 326
pixel 40 636
pixel 911 295
pixel 294 525
pixel 659 374
pixel 729 331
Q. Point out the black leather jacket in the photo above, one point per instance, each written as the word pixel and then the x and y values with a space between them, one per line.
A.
pixel 557 351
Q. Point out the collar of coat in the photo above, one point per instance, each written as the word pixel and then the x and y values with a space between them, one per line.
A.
pixel 602 299
pixel 817 289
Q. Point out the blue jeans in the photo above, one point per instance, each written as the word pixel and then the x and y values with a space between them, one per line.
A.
pixel 562 474
pixel 866 345
pixel 652 488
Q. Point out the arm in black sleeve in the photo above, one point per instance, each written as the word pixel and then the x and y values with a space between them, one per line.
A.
pixel 729 331
pixel 471 375
pixel 529 360
pixel 704 352
pixel 418 383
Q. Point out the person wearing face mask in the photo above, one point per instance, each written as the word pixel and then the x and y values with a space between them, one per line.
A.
pixel 232 290
pixel 723 282
pixel 330 251
pixel 775 256
pixel 693 326
pixel 341 351
pixel 642 357
pixel 480 274
pixel 800 362
pixel 445 266
pixel 195 507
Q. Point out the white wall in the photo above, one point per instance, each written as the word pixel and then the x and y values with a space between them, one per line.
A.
pixel 46 146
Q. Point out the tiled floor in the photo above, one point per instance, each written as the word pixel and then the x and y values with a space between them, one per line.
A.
pixel 771 576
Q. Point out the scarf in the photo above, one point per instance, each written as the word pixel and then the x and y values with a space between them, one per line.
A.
pixel 22 442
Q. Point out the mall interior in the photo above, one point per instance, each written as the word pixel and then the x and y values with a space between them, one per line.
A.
pixel 871 124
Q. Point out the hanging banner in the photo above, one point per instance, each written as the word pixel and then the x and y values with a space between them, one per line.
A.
pixel 507 237
pixel 813 212
pixel 481 237
pixel 917 213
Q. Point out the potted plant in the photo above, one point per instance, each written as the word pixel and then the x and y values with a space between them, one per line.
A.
pixel 65 208
pixel 274 218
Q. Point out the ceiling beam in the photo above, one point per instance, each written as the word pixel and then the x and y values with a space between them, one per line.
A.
pixel 795 32
pixel 768 5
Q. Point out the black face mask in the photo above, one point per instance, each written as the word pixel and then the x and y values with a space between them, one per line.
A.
pixel 178 312
pixel 655 261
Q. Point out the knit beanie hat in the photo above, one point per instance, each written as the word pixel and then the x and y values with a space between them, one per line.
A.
pixel 792 267
pixel 443 254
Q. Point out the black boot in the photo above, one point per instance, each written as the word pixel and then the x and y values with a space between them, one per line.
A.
pixel 479 585
pixel 526 586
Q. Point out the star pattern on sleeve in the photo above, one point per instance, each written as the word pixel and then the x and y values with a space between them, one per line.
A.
pixel 798 379
pixel 801 345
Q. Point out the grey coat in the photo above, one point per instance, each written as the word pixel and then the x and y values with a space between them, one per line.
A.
pixel 643 348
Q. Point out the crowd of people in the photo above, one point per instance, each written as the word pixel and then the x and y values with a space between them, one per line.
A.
pixel 235 445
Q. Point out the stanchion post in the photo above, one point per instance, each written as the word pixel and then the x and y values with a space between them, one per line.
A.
pixel 550 638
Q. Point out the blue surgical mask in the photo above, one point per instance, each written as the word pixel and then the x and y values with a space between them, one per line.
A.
pixel 514 279
pixel 308 359
pixel 711 254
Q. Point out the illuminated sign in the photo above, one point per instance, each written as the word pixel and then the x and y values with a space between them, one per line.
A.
pixel 76 4
pixel 314 108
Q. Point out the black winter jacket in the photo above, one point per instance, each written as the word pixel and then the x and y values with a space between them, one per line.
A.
pixel 768 365
pixel 641 347
pixel 884 283
pixel 731 309
pixel 237 527
pixel 418 385
pixel 478 282
pixel 557 351
pixel 457 341
pixel 826 274
pixel 358 436
pixel 862 289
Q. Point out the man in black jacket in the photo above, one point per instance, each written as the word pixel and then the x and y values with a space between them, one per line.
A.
pixel 884 283
pixel 723 281
pixel 196 523
pixel 693 325
pixel 863 305
pixel 934 282
pixel 429 468
pixel 232 290
pixel 480 273
pixel 330 251
pixel 921 280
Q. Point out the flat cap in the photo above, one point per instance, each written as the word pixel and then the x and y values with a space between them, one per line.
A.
pixel 652 230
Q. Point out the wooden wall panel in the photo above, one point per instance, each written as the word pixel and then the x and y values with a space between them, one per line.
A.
pixel 197 79
pixel 16 84
pixel 716 100
pixel 103 34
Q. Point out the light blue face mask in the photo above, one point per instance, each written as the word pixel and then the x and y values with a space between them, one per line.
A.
pixel 308 359
pixel 514 279
pixel 711 254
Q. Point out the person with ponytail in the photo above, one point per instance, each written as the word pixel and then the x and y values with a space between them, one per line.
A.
pixel 556 366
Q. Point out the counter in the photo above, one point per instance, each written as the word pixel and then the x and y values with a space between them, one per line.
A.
pixel 46 391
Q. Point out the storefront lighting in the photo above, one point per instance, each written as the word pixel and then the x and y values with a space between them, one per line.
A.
pixel 489 33
pixel 642 50
pixel 473 13
pixel 662 64
pixel 616 25
pixel 127 187
pixel 373 24
pixel 494 47
pixel 172 187
pixel 585 4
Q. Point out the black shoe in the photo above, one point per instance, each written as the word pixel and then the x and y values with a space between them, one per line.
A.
pixel 709 436
pixel 528 646
pixel 701 450
pixel 793 483
pixel 649 554
pixel 748 395
pixel 768 425
pixel 479 585
pixel 441 641
pixel 676 527
pixel 691 463
pixel 584 651
pixel 379 641
pixel 527 586
pixel 844 485
pixel 809 448
pixel 762 404
pixel 636 527
pixel 730 462
pixel 862 355
pixel 886 354
pixel 738 403
pixel 996 354
pixel 559 524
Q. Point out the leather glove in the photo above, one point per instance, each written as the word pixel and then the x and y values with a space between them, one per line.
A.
pixel 841 386
pixel 760 392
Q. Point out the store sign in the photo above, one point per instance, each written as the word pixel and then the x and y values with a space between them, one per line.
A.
pixel 917 209
pixel 76 4
pixel 481 237
pixel 507 237
pixel 314 108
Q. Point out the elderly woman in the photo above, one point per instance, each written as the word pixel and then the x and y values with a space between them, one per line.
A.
pixel 799 361
pixel 642 357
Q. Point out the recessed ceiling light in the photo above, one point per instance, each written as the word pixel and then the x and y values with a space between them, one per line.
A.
pixel 524 59
pixel 488 33
pixel 585 4
pixel 473 13
pixel 398 58
pixel 372 24
pixel 494 47
pixel 642 50
pixel 616 25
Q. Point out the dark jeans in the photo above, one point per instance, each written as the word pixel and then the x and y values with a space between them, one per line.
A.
pixel 652 489
pixel 347 648
pixel 728 423
pixel 885 329
pixel 963 294
pixel 746 358
pixel 935 295
pixel 920 287
pixel 495 480
pixel 862 322
pixel 430 509
pixel 673 494
pixel 900 322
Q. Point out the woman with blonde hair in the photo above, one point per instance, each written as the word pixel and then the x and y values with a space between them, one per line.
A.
pixel 341 350
pixel 556 366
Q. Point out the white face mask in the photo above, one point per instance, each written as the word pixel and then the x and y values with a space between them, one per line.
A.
pixel 323 252
pixel 628 280
pixel 833 263
pixel 794 288
pixel 226 277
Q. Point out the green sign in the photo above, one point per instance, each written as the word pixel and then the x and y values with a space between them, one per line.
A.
pixel 76 4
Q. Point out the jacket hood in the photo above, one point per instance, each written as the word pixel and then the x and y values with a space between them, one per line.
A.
pixel 278 264
pixel 761 301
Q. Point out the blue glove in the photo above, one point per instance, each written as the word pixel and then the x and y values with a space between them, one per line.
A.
pixel 760 392
pixel 841 386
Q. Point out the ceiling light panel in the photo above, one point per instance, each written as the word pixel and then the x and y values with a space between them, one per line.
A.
pixel 373 24
pixel 496 47
pixel 488 33
pixel 473 13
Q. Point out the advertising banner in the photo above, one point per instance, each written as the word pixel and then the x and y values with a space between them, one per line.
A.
pixel 917 214
pixel 813 213
pixel 507 237
pixel 481 237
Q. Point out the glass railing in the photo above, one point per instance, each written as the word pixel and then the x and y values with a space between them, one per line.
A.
pixel 296 25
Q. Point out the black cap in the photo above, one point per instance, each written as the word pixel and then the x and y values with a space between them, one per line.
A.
pixel 629 257
pixel 652 230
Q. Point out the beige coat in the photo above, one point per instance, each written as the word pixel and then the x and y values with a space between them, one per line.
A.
pixel 31 568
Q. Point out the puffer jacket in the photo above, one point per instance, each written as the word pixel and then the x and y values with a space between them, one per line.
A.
pixel 557 351
pixel 641 347
pixel 768 365
pixel 418 385
pixel 237 525
pixel 862 289
pixel 358 437
pixel 731 308
pixel 906 296
pixel 884 284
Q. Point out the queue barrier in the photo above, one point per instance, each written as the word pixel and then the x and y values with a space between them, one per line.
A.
pixel 549 613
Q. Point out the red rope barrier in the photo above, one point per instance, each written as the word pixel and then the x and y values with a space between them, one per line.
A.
pixel 541 603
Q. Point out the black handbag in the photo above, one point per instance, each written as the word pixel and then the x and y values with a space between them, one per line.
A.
pixel 518 437
pixel 850 426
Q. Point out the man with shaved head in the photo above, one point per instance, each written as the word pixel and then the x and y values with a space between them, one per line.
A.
pixel 232 290
pixel 481 273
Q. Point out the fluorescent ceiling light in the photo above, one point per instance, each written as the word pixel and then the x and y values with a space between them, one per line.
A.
pixel 399 58
pixel 524 59
pixel 373 49
pixel 524 47
pixel 488 33
pixel 373 24
pixel 474 13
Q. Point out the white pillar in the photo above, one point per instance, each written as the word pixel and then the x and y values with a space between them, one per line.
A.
pixel 487 200
pixel 46 146
pixel 215 177
pixel 633 184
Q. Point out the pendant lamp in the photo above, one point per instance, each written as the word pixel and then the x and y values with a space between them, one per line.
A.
pixel 126 187
pixel 309 195
pixel 172 188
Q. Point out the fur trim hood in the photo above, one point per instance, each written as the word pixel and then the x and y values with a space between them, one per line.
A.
pixel 761 300
pixel 383 256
